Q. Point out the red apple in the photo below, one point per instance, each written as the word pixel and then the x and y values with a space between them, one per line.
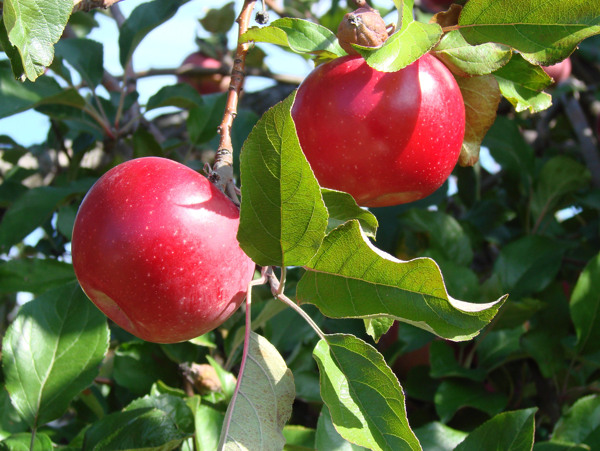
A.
pixel 386 138
pixel 204 84
pixel 559 71
pixel 435 6
pixel 154 247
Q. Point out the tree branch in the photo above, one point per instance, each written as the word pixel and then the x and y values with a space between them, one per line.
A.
pixel 87 5
pixel 221 173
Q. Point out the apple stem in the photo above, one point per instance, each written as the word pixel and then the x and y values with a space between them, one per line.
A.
pixel 222 171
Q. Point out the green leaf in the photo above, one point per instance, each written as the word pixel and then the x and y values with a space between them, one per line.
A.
pixel 512 431
pixel 10 421
pixel 16 97
pixel 363 395
pixel 34 26
pixel 33 208
pixel 439 437
pixel 328 438
pixel 298 436
pixel 181 95
pixel 543 31
pixel 22 442
pixel 581 423
pixel 558 178
pixel 559 446
pixel 11 52
pixel 342 207
pixel 173 406
pixel 403 47
pixel 142 20
pixel 452 395
pixel 498 346
pixel 52 351
pixel 283 218
pixel 465 59
pixel 585 307
pixel 256 417
pixel 529 264
pixel 300 36
pixel 219 20
pixel 546 349
pixel 203 121
pixel 349 277
pixel 444 364
pixel 376 327
pixel 143 429
pixel 521 82
pixel 86 56
pixel 34 275
pixel 209 422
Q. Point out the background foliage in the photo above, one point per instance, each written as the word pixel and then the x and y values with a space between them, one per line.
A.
pixel 524 222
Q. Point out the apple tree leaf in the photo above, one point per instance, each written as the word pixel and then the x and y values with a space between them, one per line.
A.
pixel 543 31
pixel 283 217
pixel 585 307
pixel 142 20
pixel 23 442
pixel 256 417
pixel 34 26
pixel 328 438
pixel 512 430
pixel 403 47
pixel 300 36
pixel 581 423
pixel 521 82
pixel 437 436
pixel 181 95
pixel 482 97
pixel 377 327
pixel 454 394
pixel 342 207
pixel 464 59
pixel 11 52
pixel 363 395
pixel 52 351
pixel 34 275
pixel 86 56
pixel 350 278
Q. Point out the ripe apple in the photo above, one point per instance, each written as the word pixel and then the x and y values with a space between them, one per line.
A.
pixel 204 84
pixel 386 138
pixel 435 6
pixel 559 71
pixel 154 247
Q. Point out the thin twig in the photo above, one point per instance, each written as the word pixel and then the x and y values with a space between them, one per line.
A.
pixel 222 171
pixel 87 5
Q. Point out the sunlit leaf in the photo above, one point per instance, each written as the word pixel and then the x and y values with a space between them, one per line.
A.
pixel 349 277
pixel 342 207
pixel 581 423
pixel 363 395
pixel 256 417
pixel 283 218
pixel 439 437
pixel 52 351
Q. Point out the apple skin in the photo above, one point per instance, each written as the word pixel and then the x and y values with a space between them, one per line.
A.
pixel 435 6
pixel 154 247
pixel 386 138
pixel 559 71
pixel 204 84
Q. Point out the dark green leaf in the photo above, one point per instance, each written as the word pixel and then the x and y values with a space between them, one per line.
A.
pixel 581 423
pixel 298 35
pixel 52 351
pixel 529 264
pixel 342 207
pixel 349 277
pixel 521 82
pixel 34 26
pixel 543 31
pixel 181 95
pixel 283 218
pixel 173 406
pixel 439 437
pixel 255 419
pixel 453 395
pixel 498 346
pixel 86 57
pixel 203 121
pixel 512 431
pixel 585 307
pixel 142 20
pixel 10 421
pixel 444 364
pixel 33 275
pixel 145 428
pixel 219 20
pixel 364 397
